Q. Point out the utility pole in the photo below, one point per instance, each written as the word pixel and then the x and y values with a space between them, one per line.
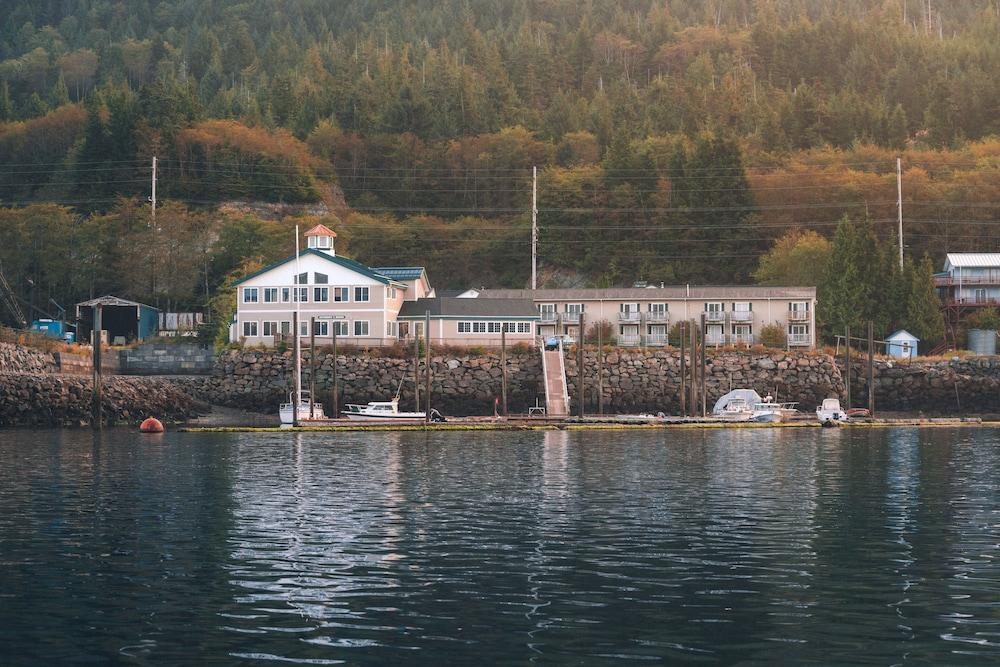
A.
pixel 503 367
pixel 427 363
pixel 97 419
pixel 871 368
pixel 600 369
pixel 579 368
pixel 298 334
pixel 534 228
pixel 682 333
pixel 847 365
pixel 702 365
pixel 899 207
pixel 416 369
pixel 152 198
pixel 693 389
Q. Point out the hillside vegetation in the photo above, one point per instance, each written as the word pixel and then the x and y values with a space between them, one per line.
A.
pixel 675 140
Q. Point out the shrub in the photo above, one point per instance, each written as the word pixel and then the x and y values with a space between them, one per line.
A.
pixel 987 318
pixel 773 336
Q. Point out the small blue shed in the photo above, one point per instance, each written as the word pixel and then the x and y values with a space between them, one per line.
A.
pixel 902 345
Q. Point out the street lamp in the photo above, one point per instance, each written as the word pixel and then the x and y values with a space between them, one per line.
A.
pixel 312 367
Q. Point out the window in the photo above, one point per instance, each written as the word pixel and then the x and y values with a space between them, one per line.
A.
pixel 548 312
pixel 799 306
pixel 574 308
pixel 629 308
pixel 301 294
pixel 249 329
pixel 321 294
pixel 361 294
pixel 479 327
pixel 340 294
pixel 493 327
pixel 270 328
pixel 286 328
pixel 322 328
pixel 249 295
pixel 340 326
pixel 270 295
pixel 361 326
pixel 390 292
pixel 742 331
pixel 321 242
pixel 391 329
pixel 304 328
pixel 302 278
pixel 465 327
pixel 508 327
pixel 286 294
pixel 798 329
pixel 320 279
pixel 658 308
pixel 742 307
pixel 715 307
pixel 524 327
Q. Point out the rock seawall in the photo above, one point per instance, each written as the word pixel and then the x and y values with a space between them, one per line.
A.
pixel 21 359
pixel 42 399
pixel 969 385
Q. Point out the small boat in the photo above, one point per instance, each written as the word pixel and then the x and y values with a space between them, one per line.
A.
pixel 769 412
pixel 831 412
pixel 305 406
pixel 735 410
pixel 378 410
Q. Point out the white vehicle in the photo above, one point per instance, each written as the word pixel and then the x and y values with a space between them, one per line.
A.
pixel 831 412
pixel 386 410
pixel 306 406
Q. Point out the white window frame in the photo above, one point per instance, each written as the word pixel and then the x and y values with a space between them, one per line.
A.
pixel 320 278
pixel 798 306
pixel 249 328
pixel 362 324
pixel 658 307
pixel 321 242
pixel 322 327
pixel 270 295
pixel 748 329
pixel 465 327
pixel 493 327
pixel 479 327
pixel 300 295
pixel 269 328
pixel 575 308
pixel 285 327
pixel 737 304
pixel 250 295
pixel 286 294
pixel 321 291
pixel 344 292
pixel 721 307
pixel 629 307
pixel 304 328
pixel 804 329
pixel 524 327
pixel 342 326
pixel 362 291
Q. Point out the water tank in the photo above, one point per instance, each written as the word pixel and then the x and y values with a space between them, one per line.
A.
pixel 983 341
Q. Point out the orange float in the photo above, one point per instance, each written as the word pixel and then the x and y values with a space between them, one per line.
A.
pixel 151 425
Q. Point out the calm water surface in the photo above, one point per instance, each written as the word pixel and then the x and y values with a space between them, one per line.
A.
pixel 750 547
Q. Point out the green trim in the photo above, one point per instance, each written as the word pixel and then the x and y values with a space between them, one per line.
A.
pixel 350 264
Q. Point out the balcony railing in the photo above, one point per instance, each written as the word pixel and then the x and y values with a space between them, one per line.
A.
pixel 629 316
pixel 657 316
pixel 972 301
pixel 548 316
pixel 954 281
pixel 656 340
pixel 715 316
pixel 799 339
pixel 743 339
pixel 741 316
pixel 629 340
pixel 798 315
pixel 715 339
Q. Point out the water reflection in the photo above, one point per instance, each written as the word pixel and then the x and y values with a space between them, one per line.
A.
pixel 747 546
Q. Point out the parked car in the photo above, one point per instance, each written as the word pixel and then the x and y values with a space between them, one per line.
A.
pixel 552 342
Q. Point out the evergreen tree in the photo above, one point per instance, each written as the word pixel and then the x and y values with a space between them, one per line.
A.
pixel 924 318
pixel 6 106
pixel 839 299
pixel 59 95
pixel 896 131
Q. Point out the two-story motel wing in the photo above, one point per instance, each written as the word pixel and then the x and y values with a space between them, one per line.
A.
pixel 643 316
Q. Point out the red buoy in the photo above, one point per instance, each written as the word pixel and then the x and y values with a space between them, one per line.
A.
pixel 151 425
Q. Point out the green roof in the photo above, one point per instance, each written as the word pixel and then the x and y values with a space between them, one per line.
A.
pixel 401 272
pixel 357 267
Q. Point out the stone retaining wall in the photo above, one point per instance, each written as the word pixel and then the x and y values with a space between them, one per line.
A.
pixel 167 359
pixel 969 385
pixel 36 399
pixel 21 359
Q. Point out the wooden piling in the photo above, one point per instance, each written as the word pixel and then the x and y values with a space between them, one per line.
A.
pixel 96 411
pixel 579 369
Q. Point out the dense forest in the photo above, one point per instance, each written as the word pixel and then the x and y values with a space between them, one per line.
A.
pixel 675 140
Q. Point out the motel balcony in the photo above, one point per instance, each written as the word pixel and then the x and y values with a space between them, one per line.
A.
pixel 798 315
pixel 548 316
pixel 743 339
pixel 741 316
pixel 955 281
pixel 629 340
pixel 658 316
pixel 629 316
pixel 799 340
pixel 657 340
pixel 715 316
pixel 715 339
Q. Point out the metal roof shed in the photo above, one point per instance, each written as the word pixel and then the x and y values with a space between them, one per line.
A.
pixel 124 320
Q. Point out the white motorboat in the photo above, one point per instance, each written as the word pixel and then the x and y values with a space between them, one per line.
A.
pixel 830 412
pixel 769 412
pixel 736 406
pixel 379 410
pixel 307 409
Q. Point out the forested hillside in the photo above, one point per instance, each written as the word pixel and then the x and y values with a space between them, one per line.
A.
pixel 675 139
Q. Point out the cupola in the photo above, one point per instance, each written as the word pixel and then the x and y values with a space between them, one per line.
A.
pixel 321 238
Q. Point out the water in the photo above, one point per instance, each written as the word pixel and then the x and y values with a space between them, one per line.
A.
pixel 718 547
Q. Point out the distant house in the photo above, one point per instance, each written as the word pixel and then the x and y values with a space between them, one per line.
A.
pixel 969 282
pixel 902 345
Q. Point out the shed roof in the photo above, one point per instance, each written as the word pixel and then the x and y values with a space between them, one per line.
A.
pixel 109 300
pixel 902 334
pixel 653 293
pixel 972 259
pixel 453 307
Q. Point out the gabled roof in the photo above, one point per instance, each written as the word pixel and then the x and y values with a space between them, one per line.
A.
pixel 357 267
pixel 453 307
pixel 972 260
pixel 321 230
pixel 109 300
pixel 902 334
pixel 401 272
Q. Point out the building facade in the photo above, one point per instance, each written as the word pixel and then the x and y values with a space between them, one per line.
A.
pixel 971 278
pixel 644 316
